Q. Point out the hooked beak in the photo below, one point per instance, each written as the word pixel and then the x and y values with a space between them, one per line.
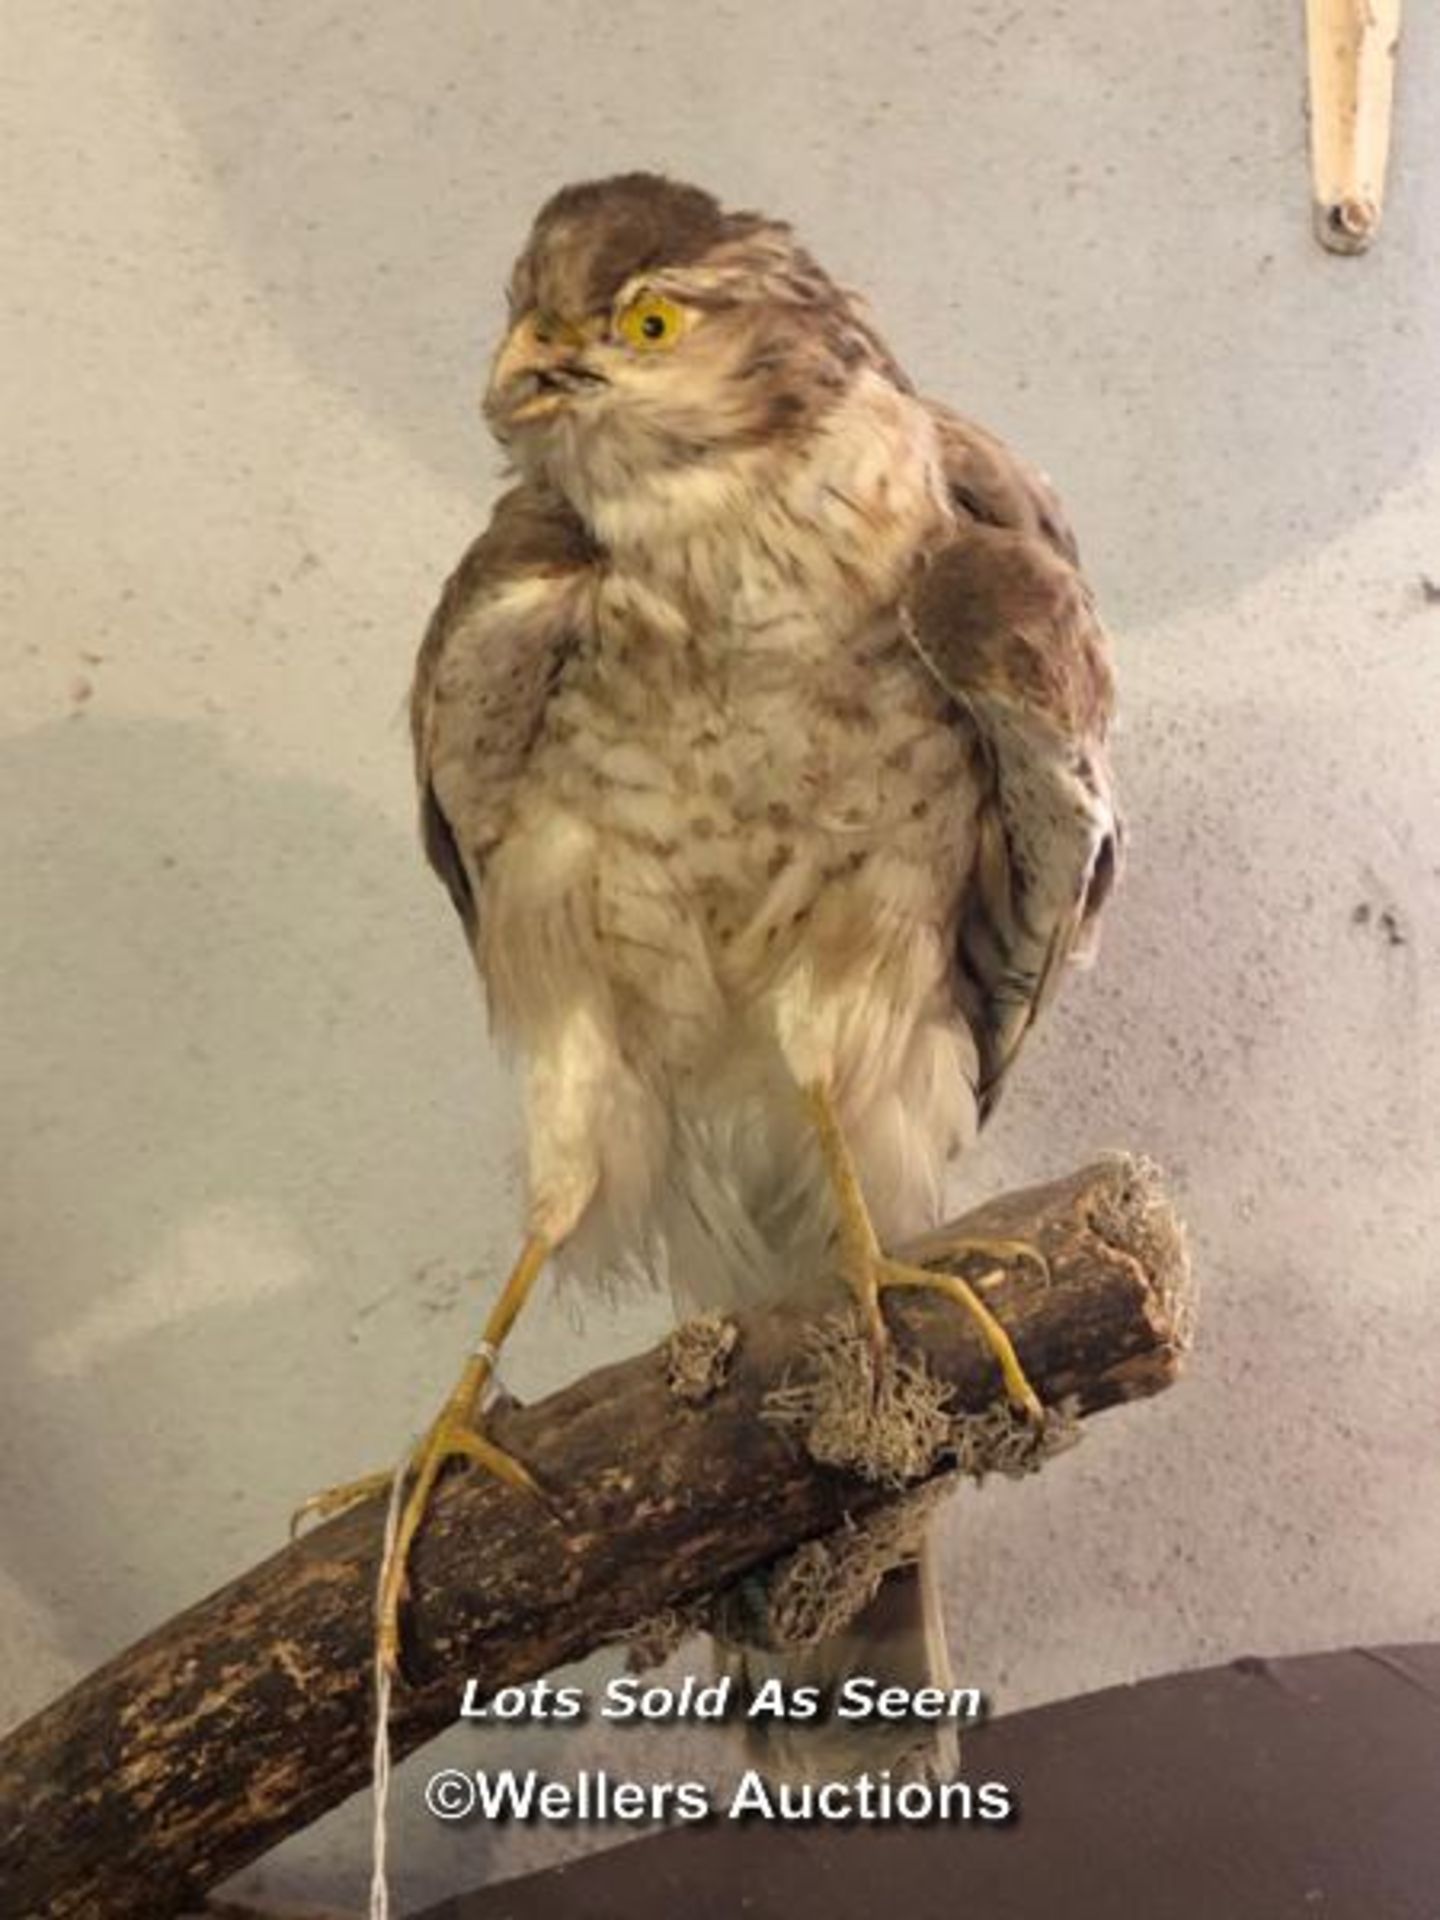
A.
pixel 539 369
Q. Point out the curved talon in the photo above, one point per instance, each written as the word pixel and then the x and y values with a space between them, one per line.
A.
pixel 332 1500
pixel 483 1452
pixel 1009 1252
pixel 451 1438
pixel 870 1271
pixel 453 1434
pixel 1021 1394
pixel 467 1444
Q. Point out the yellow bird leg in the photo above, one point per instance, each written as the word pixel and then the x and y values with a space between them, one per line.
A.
pixel 870 1272
pixel 454 1434
pixel 1017 1386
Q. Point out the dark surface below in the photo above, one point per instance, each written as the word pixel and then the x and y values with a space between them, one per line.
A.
pixel 1257 1791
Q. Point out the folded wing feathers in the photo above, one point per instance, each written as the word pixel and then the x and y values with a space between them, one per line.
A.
pixel 1003 619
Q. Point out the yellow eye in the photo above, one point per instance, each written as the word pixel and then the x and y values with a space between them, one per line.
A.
pixel 651 321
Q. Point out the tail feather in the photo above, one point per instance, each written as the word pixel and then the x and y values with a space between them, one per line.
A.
pixel 745 1214
pixel 898 1639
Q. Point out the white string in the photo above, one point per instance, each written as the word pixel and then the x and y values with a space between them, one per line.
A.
pixel 380 1755
pixel 380 1752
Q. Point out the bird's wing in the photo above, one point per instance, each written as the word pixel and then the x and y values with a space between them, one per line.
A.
pixel 508 620
pixel 1001 615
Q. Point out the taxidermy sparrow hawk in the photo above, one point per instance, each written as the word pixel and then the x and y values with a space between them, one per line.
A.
pixel 761 746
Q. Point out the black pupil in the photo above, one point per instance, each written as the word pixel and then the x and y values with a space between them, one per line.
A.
pixel 653 326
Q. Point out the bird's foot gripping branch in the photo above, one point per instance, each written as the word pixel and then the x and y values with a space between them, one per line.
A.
pixel 685 1470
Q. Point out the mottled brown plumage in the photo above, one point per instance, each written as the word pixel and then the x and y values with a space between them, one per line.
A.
pixel 761 742
pixel 1005 620
pixel 531 536
pixel 589 239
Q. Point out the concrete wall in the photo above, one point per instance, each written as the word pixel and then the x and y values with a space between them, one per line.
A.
pixel 258 1166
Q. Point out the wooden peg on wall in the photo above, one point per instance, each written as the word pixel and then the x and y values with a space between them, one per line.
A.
pixel 1352 69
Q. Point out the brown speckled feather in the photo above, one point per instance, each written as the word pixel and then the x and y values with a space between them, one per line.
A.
pixel 1003 618
pixel 590 238
pixel 486 668
pixel 990 484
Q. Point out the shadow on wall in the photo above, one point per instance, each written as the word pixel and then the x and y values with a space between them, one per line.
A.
pixel 1119 277
pixel 250 1126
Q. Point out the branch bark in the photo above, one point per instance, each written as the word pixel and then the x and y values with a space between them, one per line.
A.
pixel 245 1718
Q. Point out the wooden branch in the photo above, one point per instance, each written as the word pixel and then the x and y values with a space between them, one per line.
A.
pixel 1352 46
pixel 219 1909
pixel 248 1716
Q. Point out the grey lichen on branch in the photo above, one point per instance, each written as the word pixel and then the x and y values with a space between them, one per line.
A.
pixel 698 1357
pixel 888 1419
pixel 891 1420
pixel 884 1417
pixel 248 1716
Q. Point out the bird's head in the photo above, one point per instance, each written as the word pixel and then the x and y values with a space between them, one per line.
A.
pixel 651 331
